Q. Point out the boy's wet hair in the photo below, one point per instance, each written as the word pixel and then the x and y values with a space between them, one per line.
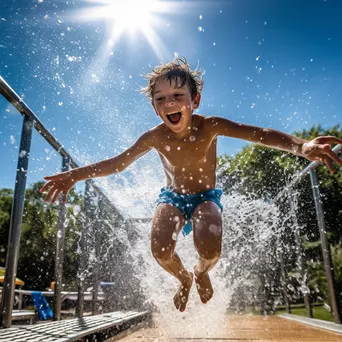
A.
pixel 176 70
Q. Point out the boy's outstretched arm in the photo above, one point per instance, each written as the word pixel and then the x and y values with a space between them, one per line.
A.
pixel 315 149
pixel 63 182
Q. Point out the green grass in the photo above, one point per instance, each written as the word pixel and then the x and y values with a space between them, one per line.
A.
pixel 318 312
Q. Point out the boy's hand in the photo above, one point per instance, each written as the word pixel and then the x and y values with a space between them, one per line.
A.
pixel 60 183
pixel 320 149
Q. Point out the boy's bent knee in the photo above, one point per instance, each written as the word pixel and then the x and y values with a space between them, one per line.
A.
pixel 162 254
pixel 209 254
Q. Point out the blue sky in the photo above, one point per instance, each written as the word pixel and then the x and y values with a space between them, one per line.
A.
pixel 268 63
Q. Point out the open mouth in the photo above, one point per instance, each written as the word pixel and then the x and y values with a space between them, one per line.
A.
pixel 175 117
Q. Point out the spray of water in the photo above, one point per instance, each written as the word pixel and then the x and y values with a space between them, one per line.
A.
pixel 246 275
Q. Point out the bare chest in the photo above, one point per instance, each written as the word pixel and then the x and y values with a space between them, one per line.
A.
pixel 190 151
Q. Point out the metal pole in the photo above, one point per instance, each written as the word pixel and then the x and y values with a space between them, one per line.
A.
pixel 96 268
pixel 95 276
pixel 57 302
pixel 303 282
pixel 80 298
pixel 20 304
pixel 283 280
pixel 82 264
pixel 325 246
pixel 12 97
pixel 303 173
pixel 15 225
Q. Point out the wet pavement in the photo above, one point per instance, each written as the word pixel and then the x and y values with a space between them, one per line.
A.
pixel 245 328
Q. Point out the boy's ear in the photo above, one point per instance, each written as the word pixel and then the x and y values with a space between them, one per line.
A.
pixel 197 101
pixel 154 107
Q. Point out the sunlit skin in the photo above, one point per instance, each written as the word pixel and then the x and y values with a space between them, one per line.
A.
pixel 187 150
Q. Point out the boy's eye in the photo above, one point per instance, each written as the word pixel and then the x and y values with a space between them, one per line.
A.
pixel 179 95
pixel 159 99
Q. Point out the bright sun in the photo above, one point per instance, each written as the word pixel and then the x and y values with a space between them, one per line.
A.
pixel 132 14
pixel 126 16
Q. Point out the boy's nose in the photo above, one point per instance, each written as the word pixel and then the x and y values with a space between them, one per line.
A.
pixel 170 104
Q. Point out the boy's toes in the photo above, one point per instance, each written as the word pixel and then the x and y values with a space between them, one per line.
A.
pixel 181 297
pixel 204 287
pixel 206 297
pixel 182 305
pixel 180 300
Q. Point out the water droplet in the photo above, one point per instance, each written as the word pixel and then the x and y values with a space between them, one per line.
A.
pixel 76 209
pixel 22 153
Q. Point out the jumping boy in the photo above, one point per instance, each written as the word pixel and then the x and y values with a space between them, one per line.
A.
pixel 186 144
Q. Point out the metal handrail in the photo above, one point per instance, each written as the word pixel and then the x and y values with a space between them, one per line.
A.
pixel 30 120
pixel 299 177
pixel 24 109
pixel 311 169
pixel 313 165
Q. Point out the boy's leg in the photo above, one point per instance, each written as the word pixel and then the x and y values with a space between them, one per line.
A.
pixel 207 227
pixel 166 225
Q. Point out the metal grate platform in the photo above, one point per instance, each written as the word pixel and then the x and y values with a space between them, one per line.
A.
pixel 70 329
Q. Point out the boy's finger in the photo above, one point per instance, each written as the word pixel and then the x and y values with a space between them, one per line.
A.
pixel 65 195
pixel 333 156
pixel 50 193
pixel 55 196
pixel 329 140
pixel 329 164
pixel 49 177
pixel 45 186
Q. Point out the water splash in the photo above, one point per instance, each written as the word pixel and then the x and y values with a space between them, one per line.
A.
pixel 247 274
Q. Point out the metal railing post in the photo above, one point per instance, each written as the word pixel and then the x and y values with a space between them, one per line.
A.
pixel 82 264
pixel 57 302
pixel 95 275
pixel 303 282
pixel 15 225
pixel 328 266
pixel 284 285
pixel 30 117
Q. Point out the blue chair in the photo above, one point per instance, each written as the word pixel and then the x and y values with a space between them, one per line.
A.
pixel 42 306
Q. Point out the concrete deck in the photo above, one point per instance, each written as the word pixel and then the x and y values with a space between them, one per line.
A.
pixel 247 328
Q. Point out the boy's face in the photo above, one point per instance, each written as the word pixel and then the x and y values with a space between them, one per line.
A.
pixel 174 104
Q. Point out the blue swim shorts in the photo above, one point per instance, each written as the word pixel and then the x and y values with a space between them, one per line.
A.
pixel 188 203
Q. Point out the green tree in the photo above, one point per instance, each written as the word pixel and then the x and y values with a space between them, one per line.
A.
pixel 38 237
pixel 5 216
pixel 260 172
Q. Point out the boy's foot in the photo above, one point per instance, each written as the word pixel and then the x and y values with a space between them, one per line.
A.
pixel 203 285
pixel 181 297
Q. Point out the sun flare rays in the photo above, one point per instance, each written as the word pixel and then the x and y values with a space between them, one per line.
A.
pixel 126 17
